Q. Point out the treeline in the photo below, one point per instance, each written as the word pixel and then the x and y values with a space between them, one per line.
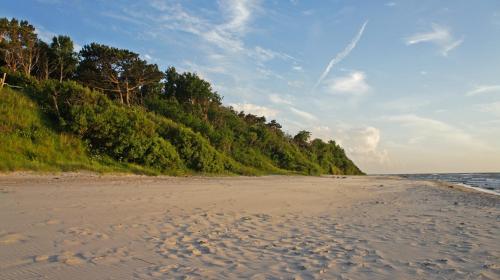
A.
pixel 129 110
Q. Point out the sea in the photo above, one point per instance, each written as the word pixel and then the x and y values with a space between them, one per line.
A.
pixel 485 182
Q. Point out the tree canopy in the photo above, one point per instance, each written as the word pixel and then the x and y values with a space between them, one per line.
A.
pixel 117 72
pixel 63 57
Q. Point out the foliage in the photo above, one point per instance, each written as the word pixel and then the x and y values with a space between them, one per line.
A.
pixel 29 141
pixel 117 72
pixel 63 58
pixel 18 45
pixel 162 123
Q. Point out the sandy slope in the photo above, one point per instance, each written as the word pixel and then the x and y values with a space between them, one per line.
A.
pixel 88 227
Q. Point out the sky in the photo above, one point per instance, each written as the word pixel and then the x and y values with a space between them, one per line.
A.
pixel 404 86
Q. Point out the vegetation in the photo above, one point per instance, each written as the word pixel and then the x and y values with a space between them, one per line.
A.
pixel 29 141
pixel 107 109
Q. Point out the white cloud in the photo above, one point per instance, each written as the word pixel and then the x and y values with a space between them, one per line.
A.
pixel 226 35
pixel 303 114
pixel 484 89
pixel 258 110
pixel 277 99
pixel 205 72
pixel 298 68
pixel 239 13
pixel 390 4
pixel 45 34
pixel 362 144
pixel 447 48
pixel 354 83
pixel 343 54
pixel 268 73
pixel 366 141
pixel 263 54
pixel 440 36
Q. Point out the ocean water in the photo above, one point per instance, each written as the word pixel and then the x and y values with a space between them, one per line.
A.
pixel 488 182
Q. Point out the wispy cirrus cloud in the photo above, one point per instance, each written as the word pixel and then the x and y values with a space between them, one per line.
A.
pixel 303 114
pixel 354 83
pixel 219 34
pixel 439 35
pixel 266 54
pixel 225 31
pixel 341 55
pixel 484 89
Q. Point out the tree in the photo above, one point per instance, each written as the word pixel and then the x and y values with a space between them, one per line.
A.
pixel 274 125
pixel 42 68
pixel 189 89
pixel 116 72
pixel 63 58
pixel 302 138
pixel 18 45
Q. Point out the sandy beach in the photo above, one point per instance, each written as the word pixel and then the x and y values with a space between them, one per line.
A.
pixel 84 226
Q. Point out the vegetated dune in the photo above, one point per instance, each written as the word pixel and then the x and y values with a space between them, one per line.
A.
pixel 77 226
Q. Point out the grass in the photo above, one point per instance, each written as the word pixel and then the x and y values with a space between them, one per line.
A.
pixel 29 140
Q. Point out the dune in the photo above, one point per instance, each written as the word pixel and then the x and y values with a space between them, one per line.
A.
pixel 85 226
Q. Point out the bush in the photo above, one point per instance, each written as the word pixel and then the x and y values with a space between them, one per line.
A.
pixel 125 134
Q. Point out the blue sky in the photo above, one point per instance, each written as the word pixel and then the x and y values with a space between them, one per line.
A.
pixel 404 86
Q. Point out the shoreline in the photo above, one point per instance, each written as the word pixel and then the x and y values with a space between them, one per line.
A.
pixel 91 174
pixel 459 186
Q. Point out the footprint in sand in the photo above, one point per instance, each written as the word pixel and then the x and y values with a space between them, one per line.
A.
pixel 45 258
pixel 69 258
pixel 12 238
pixel 85 232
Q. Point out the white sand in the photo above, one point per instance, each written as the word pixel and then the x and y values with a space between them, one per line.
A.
pixel 90 227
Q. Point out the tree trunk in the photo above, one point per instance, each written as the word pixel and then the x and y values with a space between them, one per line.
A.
pixel 60 72
pixel 127 93
pixel 2 80
pixel 120 92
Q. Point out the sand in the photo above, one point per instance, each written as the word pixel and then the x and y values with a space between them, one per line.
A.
pixel 83 226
